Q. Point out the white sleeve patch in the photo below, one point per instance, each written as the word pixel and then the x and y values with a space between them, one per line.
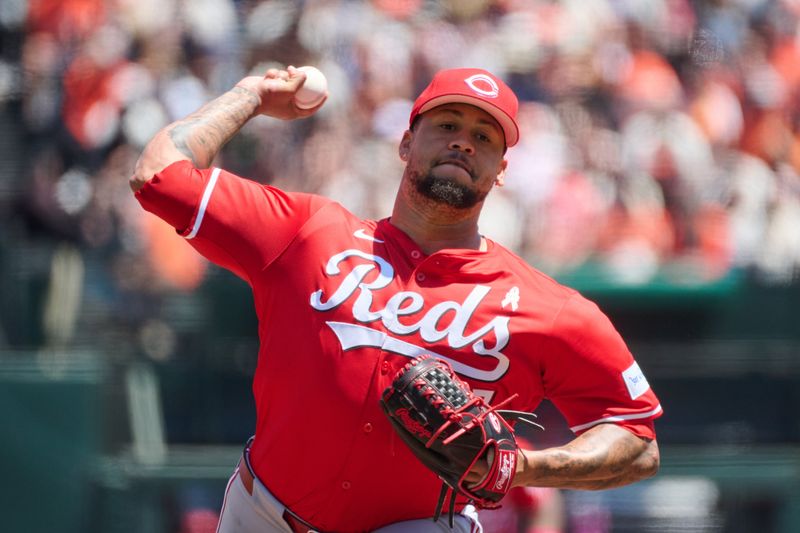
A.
pixel 635 381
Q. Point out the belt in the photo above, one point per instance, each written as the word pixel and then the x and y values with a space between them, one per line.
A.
pixel 296 524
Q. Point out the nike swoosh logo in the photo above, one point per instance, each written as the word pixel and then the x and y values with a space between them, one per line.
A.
pixel 361 235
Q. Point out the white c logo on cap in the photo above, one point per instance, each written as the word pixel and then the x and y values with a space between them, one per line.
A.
pixel 492 91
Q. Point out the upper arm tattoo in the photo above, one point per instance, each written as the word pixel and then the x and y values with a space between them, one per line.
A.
pixel 203 133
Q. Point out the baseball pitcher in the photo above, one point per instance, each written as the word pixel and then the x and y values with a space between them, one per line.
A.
pixel 396 355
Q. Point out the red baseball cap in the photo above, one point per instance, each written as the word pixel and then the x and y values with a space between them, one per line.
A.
pixel 476 87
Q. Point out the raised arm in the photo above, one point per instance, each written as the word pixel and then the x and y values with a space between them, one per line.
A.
pixel 603 457
pixel 199 137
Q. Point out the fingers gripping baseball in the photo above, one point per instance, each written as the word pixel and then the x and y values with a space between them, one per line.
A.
pixel 276 92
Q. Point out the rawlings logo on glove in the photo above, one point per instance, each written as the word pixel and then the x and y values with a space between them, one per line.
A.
pixel 410 424
pixel 450 430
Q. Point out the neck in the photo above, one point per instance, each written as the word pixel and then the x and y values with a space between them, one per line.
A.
pixel 434 226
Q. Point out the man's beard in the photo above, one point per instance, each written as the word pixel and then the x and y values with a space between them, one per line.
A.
pixel 447 191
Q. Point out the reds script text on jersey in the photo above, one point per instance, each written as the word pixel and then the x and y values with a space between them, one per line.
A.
pixel 343 303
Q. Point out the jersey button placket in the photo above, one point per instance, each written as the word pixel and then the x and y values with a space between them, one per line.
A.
pixel 367 428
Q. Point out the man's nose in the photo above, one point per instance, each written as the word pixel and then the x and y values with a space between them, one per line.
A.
pixel 462 144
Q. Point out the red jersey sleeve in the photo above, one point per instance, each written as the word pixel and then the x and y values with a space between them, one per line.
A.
pixel 236 223
pixel 590 375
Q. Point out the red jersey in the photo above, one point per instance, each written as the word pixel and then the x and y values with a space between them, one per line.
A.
pixel 343 303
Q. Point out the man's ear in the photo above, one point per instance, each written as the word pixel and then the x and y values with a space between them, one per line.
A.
pixel 405 146
pixel 500 180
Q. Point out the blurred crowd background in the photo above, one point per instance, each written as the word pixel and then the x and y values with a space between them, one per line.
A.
pixel 660 147
pixel 660 139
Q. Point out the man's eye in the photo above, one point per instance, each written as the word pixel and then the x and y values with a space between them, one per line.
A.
pixel 446 126
pixel 484 138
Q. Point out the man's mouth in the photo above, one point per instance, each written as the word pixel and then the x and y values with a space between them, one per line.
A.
pixel 457 163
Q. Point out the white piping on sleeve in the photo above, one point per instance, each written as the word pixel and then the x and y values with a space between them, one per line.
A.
pixel 201 212
pixel 617 418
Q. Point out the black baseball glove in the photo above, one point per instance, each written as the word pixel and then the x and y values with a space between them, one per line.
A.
pixel 450 429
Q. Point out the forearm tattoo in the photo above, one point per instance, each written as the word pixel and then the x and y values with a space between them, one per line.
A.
pixel 203 133
pixel 591 464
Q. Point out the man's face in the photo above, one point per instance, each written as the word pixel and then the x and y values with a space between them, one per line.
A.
pixel 454 155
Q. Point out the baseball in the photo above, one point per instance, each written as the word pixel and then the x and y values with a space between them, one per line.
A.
pixel 313 90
